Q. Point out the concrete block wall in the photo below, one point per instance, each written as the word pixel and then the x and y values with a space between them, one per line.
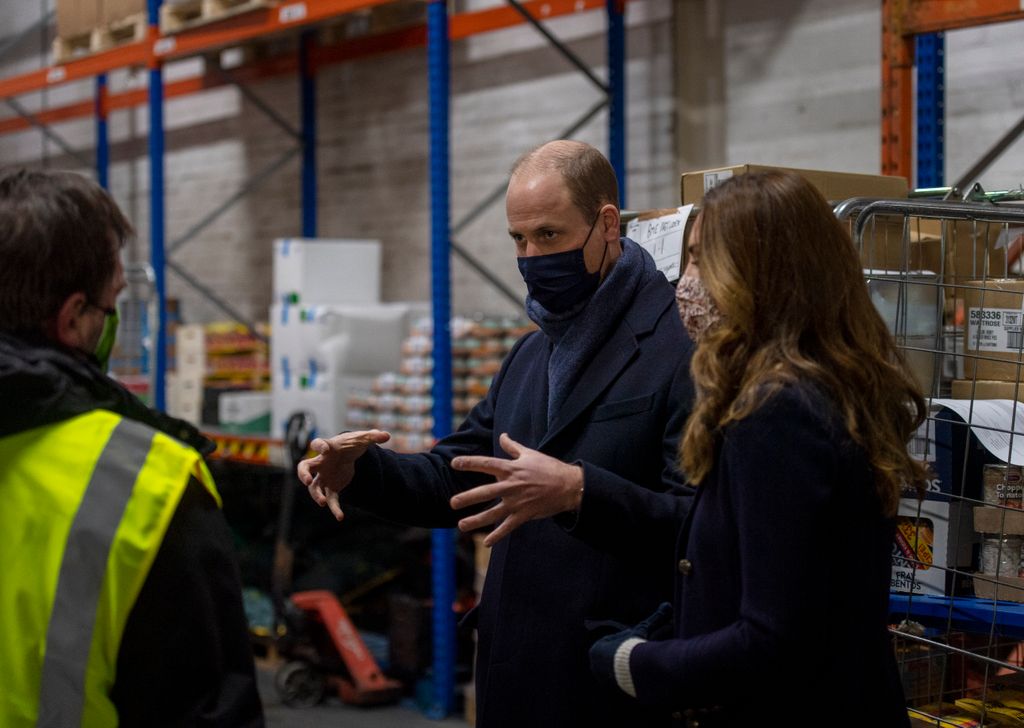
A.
pixel 800 87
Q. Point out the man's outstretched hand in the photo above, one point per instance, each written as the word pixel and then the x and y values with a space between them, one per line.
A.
pixel 528 485
pixel 330 471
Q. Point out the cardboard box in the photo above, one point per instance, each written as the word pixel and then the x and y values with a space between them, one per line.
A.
pixel 966 250
pixel 938 535
pixel 938 530
pixel 987 389
pixel 77 17
pixel 1006 521
pixel 835 186
pixel 114 10
pixel 244 412
pixel 995 329
pixel 883 246
pixel 1005 588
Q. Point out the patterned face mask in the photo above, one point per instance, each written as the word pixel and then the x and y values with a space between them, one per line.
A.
pixel 696 307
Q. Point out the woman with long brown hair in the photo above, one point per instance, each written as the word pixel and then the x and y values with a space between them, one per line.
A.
pixel 797 447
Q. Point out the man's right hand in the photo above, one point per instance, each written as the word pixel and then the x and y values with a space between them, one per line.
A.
pixel 326 474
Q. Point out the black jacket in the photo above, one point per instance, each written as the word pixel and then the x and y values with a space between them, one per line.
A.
pixel 185 657
pixel 622 422
pixel 782 589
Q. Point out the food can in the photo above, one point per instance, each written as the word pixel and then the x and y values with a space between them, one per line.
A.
pixel 1004 485
pixel 1001 555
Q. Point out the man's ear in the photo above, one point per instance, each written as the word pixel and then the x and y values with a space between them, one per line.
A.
pixel 610 222
pixel 69 329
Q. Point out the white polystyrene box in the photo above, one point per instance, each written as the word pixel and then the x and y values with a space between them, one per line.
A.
pixel 286 341
pixel 359 340
pixel 324 398
pixel 322 271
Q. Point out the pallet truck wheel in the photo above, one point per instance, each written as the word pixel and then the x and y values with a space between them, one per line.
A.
pixel 300 685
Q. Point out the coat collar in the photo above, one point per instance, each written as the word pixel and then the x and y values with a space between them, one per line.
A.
pixel 648 307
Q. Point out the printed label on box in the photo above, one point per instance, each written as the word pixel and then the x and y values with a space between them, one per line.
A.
pixel 995 329
pixel 662 237
pixel 713 179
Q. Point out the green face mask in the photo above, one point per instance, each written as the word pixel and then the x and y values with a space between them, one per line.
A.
pixel 105 345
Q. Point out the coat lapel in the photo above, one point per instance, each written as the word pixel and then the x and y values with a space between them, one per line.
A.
pixel 616 354
pixel 602 370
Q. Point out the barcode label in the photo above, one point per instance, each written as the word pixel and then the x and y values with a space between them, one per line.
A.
pixel 995 329
pixel 713 179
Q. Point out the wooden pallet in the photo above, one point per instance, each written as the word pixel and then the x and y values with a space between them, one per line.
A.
pixel 185 14
pixel 116 33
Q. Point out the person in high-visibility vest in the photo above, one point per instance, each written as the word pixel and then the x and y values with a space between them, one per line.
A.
pixel 120 600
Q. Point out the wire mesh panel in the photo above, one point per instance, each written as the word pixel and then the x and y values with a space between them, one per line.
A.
pixel 948 280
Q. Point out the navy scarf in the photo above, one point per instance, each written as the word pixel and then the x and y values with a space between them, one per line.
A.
pixel 578 334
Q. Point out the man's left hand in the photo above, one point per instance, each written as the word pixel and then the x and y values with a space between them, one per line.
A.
pixel 528 486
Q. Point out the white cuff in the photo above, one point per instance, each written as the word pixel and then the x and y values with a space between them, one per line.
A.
pixel 621 665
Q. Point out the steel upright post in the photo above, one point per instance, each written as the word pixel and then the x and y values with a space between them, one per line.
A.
pixel 307 93
pixel 156 211
pixel 931 109
pixel 443 540
pixel 102 139
pixel 617 93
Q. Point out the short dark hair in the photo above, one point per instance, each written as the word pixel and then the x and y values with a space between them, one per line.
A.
pixel 587 173
pixel 60 234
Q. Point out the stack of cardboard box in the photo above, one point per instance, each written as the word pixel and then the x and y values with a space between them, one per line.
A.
pixel 330 334
pixel 185 383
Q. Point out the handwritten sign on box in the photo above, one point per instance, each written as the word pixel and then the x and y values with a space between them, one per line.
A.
pixel 662 237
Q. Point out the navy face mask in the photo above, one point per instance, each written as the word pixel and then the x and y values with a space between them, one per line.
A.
pixel 559 281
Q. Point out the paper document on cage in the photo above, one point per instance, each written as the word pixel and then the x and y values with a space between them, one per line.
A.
pixel 997 423
pixel 662 237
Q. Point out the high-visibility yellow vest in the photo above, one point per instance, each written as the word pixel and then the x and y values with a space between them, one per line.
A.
pixel 84 507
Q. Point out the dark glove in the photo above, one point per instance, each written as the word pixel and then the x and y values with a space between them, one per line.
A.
pixel 602 652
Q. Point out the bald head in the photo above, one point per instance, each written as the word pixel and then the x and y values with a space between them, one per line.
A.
pixel 587 174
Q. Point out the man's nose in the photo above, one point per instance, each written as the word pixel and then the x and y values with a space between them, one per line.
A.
pixel 532 249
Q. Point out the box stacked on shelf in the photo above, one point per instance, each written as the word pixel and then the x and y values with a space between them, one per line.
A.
pixel 237 356
pixel 212 360
pixel 185 383
pixel 330 335
pixel 401 401
pixel 933 535
pixel 1000 526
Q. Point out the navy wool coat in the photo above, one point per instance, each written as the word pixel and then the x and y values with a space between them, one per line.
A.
pixel 551 577
pixel 782 588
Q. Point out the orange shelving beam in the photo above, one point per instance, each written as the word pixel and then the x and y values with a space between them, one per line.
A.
pixel 933 16
pixel 461 26
pixel 901 21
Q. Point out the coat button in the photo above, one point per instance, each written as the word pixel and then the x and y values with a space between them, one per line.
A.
pixel 685 567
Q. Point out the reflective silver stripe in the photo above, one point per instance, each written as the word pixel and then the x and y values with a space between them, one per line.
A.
pixel 69 634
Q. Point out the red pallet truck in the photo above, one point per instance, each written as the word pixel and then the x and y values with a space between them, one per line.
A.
pixel 322 648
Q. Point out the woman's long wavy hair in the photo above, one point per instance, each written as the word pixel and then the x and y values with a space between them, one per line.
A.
pixel 788 281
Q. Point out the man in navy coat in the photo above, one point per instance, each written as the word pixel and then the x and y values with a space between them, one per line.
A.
pixel 574 445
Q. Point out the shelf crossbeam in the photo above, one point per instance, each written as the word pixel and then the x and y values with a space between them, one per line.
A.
pixel 902 21
pixel 33 121
pixel 460 26
pixel 933 16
